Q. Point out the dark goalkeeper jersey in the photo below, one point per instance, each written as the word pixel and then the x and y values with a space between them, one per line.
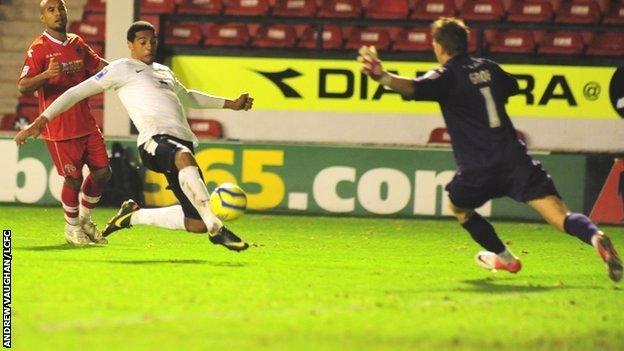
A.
pixel 472 93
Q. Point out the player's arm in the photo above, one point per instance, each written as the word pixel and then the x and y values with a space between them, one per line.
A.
pixel 27 85
pixel 197 99
pixel 63 103
pixel 372 67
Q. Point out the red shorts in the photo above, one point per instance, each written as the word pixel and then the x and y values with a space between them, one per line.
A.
pixel 71 155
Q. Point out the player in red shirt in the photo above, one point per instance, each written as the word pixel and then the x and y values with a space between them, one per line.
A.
pixel 55 62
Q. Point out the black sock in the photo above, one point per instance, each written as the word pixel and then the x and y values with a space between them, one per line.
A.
pixel 580 226
pixel 484 234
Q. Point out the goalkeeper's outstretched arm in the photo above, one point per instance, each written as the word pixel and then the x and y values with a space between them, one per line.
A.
pixel 372 67
pixel 63 103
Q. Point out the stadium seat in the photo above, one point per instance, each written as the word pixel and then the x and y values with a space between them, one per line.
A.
pixel 514 42
pixel 332 37
pixel 95 6
pixel 428 10
pixel 246 7
pixel 482 10
pixel 200 7
pixel 295 8
pixel 561 43
pixel 206 128
pixel 579 12
pixel 234 35
pixel 532 11
pixel 340 9
pixel 615 14
pixel 607 44
pixel 413 39
pixel 29 111
pixel 387 9
pixel 187 34
pixel 158 6
pixel 153 19
pixel 90 32
pixel 8 122
pixel 368 36
pixel 93 17
pixel 439 136
pixel 275 36
pixel 472 41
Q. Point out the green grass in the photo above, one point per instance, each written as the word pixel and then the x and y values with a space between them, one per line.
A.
pixel 307 283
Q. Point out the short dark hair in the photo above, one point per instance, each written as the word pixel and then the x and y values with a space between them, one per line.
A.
pixel 137 27
pixel 451 34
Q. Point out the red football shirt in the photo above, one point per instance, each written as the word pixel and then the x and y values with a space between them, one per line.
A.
pixel 78 62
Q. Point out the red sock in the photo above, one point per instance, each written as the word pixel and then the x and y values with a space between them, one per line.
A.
pixel 69 197
pixel 91 194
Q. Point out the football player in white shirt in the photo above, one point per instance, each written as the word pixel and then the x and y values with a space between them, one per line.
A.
pixel 155 101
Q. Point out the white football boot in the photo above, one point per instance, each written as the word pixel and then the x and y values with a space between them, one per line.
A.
pixel 491 261
pixel 92 231
pixel 74 235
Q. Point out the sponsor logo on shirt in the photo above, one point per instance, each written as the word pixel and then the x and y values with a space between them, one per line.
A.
pixel 101 74
pixel 73 66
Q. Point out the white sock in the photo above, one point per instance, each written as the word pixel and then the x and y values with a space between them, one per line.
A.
pixel 85 212
pixel 594 238
pixel 195 190
pixel 73 219
pixel 506 256
pixel 171 217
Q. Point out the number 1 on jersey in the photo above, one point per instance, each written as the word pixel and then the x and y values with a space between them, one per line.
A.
pixel 490 105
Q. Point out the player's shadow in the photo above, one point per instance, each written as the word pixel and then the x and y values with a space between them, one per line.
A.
pixel 178 261
pixel 57 247
pixel 498 286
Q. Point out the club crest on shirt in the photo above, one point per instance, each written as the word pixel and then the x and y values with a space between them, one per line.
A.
pixel 69 168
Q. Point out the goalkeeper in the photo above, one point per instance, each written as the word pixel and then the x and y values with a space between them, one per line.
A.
pixel 491 161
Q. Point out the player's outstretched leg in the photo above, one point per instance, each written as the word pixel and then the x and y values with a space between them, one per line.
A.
pixel 494 262
pixel 497 256
pixel 195 190
pixel 228 239
pixel 607 252
pixel 122 219
pixel 580 226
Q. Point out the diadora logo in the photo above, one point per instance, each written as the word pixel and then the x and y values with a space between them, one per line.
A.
pixel 278 79
pixel 345 90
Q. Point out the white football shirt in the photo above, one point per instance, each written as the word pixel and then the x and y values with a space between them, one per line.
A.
pixel 150 95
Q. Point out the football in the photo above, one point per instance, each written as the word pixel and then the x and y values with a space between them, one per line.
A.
pixel 228 202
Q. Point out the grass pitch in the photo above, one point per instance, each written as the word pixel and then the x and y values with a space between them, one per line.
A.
pixel 307 283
